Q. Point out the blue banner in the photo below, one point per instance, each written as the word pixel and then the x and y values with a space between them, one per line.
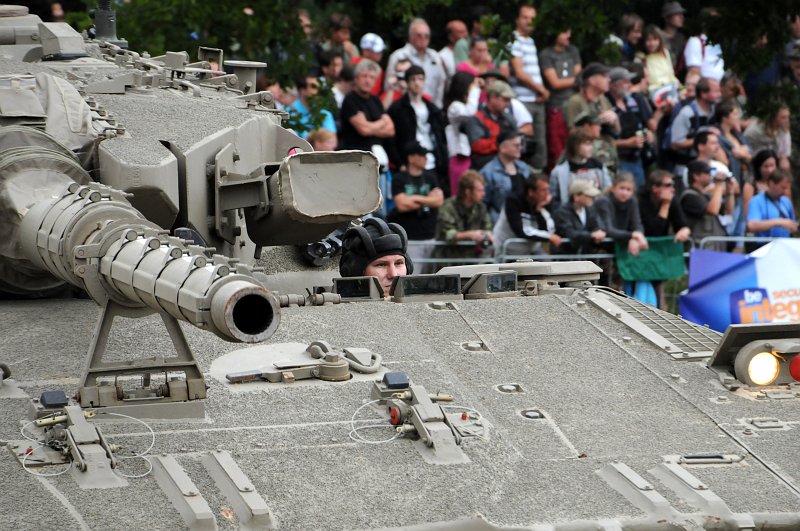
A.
pixel 725 288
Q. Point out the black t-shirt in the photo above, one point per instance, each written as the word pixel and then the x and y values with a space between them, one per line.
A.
pixel 590 164
pixel 349 138
pixel 420 224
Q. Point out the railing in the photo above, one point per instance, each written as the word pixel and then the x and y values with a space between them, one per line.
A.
pixel 505 256
pixel 736 239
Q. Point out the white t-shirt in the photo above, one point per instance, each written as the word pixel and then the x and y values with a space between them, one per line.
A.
pixel 699 53
pixel 424 131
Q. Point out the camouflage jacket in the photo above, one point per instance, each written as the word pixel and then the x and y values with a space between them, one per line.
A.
pixel 455 217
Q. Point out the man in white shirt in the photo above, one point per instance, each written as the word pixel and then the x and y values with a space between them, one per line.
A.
pixel 456 30
pixel 417 51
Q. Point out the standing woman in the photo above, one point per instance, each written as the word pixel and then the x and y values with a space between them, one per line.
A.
pixel 461 103
pixel 728 116
pixel 773 134
pixel 479 61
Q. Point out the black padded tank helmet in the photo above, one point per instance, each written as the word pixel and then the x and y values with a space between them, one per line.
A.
pixel 373 240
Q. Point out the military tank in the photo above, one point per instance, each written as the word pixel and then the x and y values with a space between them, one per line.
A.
pixel 500 396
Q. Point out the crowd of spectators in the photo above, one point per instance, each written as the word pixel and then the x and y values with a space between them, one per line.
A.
pixel 534 144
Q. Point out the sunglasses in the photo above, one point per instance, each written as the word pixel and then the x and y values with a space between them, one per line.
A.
pixel 667 185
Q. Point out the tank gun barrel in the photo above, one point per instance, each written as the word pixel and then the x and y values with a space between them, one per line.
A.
pixel 91 237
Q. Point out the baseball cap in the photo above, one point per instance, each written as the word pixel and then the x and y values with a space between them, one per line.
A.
pixel 502 89
pixel 594 69
pixel 618 74
pixel 582 186
pixel 584 118
pixel 698 166
pixel 372 42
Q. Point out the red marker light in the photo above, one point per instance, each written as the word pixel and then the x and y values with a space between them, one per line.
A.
pixel 794 367
pixel 394 416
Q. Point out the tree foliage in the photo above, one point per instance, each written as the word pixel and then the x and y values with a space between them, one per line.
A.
pixel 267 30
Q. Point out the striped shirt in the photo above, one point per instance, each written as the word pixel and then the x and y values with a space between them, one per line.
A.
pixel 525 48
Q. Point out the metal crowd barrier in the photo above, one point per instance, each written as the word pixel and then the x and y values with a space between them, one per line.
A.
pixel 736 239
pixel 505 256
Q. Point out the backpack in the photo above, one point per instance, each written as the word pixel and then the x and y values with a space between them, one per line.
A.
pixel 695 123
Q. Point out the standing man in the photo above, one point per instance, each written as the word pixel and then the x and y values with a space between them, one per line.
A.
pixel 527 80
pixel 465 218
pixel 456 30
pixel 372 48
pixel 591 99
pixel 490 120
pixel 770 212
pixel 417 120
pixel 688 122
pixel 634 114
pixel 505 173
pixel 365 124
pixel 417 51
pixel 673 14
pixel 561 65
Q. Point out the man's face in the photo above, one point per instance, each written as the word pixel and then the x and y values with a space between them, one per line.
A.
pixel 496 104
pixel 416 85
pixel 365 81
pixel 372 56
pixel 710 148
pixel 420 37
pixel 524 23
pixel 776 190
pixel 714 94
pixel 333 70
pixel 457 31
pixel 703 179
pixel 386 268
pixel 312 88
pixel 563 38
pixel 511 148
pixel 600 82
pixel 476 193
pixel 676 21
pixel 620 88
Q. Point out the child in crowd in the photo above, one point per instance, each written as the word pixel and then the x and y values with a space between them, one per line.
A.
pixel 657 59
pixel 618 212
pixel 579 164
